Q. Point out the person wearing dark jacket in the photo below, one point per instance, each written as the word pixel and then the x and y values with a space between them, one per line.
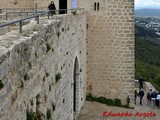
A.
pixel 153 98
pixel 135 96
pixel 141 83
pixel 52 8
pixel 157 99
pixel 148 97
pixel 128 101
pixel 141 94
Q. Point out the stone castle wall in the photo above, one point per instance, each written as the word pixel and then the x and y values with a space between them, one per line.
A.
pixel 110 47
pixel 110 58
pixel 24 3
pixel 31 4
pixel 30 63
pixel 16 3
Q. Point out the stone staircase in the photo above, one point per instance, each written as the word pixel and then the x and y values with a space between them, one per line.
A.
pixel 147 86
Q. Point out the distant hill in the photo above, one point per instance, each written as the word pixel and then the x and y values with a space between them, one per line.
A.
pixel 147 12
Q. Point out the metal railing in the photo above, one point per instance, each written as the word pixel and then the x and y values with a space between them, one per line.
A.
pixel 20 13
pixel 4 10
pixel 36 16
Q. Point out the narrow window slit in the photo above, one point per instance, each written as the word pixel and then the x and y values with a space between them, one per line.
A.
pixel 98 6
pixel 95 5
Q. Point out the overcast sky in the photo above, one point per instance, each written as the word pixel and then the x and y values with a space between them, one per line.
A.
pixel 147 4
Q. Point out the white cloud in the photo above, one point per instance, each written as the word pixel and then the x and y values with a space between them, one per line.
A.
pixel 147 4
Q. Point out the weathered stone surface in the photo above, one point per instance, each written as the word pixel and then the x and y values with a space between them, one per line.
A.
pixel 31 61
pixel 40 52
pixel 3 30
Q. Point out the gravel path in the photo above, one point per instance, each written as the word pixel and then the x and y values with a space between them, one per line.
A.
pixel 94 110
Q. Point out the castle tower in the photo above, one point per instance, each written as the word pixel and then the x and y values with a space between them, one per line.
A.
pixel 110 47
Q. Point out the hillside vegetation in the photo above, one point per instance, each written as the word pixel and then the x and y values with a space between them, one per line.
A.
pixel 147 57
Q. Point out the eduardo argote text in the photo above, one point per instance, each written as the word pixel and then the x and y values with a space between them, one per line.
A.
pixel 129 114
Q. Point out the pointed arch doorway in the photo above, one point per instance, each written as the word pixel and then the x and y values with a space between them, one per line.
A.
pixel 76 89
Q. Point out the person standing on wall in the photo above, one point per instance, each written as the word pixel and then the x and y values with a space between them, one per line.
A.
pixel 141 83
pixel 52 8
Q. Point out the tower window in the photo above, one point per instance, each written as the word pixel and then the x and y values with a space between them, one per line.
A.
pixel 96 6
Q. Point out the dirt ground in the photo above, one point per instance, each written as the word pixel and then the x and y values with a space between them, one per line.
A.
pixel 94 111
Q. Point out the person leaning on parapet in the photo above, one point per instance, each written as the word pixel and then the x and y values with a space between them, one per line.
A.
pixel 52 8
pixel 141 83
